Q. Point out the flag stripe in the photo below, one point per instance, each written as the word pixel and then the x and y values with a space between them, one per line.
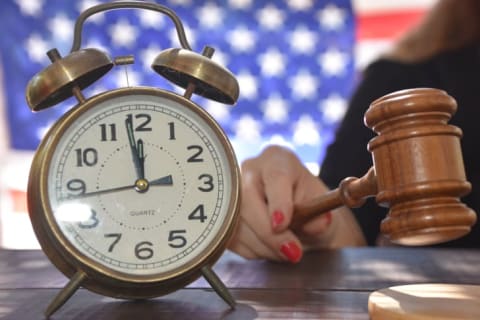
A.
pixel 386 24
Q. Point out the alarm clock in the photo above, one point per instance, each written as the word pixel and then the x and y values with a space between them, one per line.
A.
pixel 133 193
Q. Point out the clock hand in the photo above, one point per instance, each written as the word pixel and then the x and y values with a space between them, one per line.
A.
pixel 163 181
pixel 95 193
pixel 141 158
pixel 133 148
pixel 140 185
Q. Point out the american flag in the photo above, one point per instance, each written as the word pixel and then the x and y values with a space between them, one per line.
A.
pixel 294 60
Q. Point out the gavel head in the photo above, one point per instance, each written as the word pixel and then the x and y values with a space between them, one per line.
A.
pixel 419 167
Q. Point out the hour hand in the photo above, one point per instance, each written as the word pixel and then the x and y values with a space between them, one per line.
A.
pixel 137 162
pixel 141 158
pixel 163 181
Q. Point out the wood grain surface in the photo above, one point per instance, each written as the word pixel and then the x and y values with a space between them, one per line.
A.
pixel 437 301
pixel 330 284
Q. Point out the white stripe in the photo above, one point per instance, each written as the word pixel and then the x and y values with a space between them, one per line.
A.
pixel 372 6
pixel 367 51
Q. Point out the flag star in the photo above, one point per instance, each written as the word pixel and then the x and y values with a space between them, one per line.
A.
pixel 247 128
pixel 125 77
pixel 240 4
pixel 184 3
pixel 278 140
pixel 306 131
pixel 30 7
pixel 272 63
pixel 95 89
pixel 303 40
pixel 242 39
pixel 333 62
pixel 210 15
pixel 331 17
pixel 61 27
pixel 275 109
pixel 148 55
pixel 123 34
pixel 94 43
pixel 270 17
pixel 303 85
pixel 300 5
pixel 221 58
pixel 248 85
pixel 151 19
pixel 219 111
pixel 86 4
pixel 333 108
pixel 37 48
pixel 189 33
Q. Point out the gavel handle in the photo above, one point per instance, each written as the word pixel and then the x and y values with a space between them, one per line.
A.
pixel 352 192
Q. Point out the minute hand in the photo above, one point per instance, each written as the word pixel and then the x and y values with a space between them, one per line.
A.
pixel 94 193
pixel 133 148
pixel 163 181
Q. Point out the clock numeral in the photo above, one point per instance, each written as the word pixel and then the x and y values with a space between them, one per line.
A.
pixel 87 156
pixel 108 135
pixel 145 118
pixel 176 239
pixel 196 156
pixel 77 186
pixel 142 250
pixel 171 126
pixel 207 182
pixel 92 221
pixel 116 237
pixel 198 214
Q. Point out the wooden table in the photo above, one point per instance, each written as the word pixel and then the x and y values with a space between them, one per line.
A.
pixel 332 284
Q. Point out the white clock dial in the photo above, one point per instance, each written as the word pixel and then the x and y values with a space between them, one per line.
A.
pixel 141 184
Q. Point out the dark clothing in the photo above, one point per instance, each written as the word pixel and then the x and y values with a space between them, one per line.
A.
pixel 457 72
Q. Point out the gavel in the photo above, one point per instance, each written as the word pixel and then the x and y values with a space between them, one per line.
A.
pixel 417 171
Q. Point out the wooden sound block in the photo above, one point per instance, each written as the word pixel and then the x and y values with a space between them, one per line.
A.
pixel 426 302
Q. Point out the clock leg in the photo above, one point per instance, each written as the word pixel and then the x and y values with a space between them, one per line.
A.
pixel 218 286
pixel 65 293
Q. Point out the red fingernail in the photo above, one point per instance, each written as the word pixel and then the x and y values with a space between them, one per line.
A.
pixel 328 218
pixel 277 218
pixel 292 251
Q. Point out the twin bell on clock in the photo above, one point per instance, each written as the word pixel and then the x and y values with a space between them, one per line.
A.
pixel 134 192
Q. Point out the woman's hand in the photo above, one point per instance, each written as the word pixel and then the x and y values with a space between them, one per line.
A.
pixel 272 184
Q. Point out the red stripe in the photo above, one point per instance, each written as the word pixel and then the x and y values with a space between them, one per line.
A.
pixel 19 200
pixel 386 25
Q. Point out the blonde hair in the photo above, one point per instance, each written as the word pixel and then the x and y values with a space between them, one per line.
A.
pixel 450 24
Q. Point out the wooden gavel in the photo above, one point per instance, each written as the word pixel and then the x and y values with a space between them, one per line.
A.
pixel 417 171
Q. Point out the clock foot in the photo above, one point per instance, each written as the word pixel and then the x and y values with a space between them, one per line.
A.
pixel 218 286
pixel 65 293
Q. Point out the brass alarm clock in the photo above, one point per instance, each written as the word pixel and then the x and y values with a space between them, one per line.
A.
pixel 134 192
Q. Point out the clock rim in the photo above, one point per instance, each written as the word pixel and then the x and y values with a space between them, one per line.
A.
pixel 100 278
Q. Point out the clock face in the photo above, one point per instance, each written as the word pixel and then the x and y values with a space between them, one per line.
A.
pixel 140 182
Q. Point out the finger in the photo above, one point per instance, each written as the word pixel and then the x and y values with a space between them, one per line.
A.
pixel 247 242
pixel 279 180
pixel 255 212
pixel 318 225
pixel 279 195
pixel 244 251
pixel 248 245
pixel 318 232
pixel 282 245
